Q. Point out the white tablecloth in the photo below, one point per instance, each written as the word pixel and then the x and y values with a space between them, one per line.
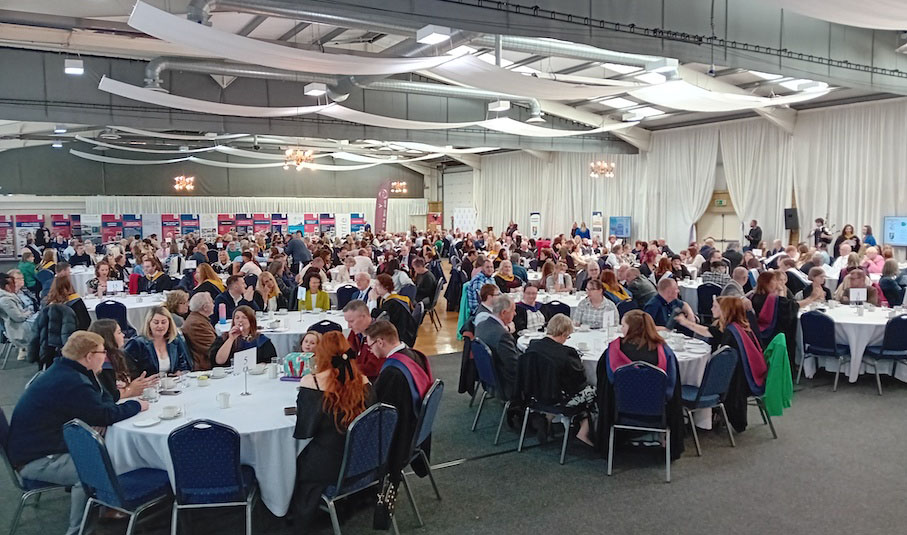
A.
pixel 266 434
pixel 80 277
pixel 857 332
pixel 136 306
pixel 296 324
pixel 571 300
pixel 688 289
pixel 534 276
pixel 691 361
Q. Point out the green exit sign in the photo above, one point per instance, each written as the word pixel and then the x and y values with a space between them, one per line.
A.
pixel 720 202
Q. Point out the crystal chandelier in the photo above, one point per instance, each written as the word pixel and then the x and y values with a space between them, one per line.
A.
pixel 398 187
pixel 184 183
pixel 601 168
pixel 298 158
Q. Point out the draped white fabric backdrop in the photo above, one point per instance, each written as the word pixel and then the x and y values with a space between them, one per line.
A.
pixel 758 167
pixel 399 211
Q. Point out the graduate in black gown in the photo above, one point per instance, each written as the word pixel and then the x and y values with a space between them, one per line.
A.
pixel 640 343
pixel 327 403
pixel 732 328
pixel 776 311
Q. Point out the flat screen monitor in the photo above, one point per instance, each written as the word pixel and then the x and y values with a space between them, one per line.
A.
pixel 620 226
pixel 895 230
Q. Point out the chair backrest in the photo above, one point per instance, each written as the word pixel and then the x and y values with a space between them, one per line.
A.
pixel 4 440
pixel 705 293
pixel 895 334
pixel 368 444
pixel 89 454
pixel 556 307
pixel 112 310
pixel 718 373
pixel 212 256
pixel 251 280
pixel 345 294
pixel 134 283
pixel 818 330
pixel 426 421
pixel 626 306
pixel 639 393
pixel 409 290
pixel 206 463
pixel 418 312
pixel 481 356
pixel 439 289
pixel 326 326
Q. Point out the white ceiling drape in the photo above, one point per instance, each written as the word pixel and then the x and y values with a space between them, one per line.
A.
pixel 875 14
pixel 758 166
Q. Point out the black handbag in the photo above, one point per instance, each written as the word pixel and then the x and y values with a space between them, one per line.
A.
pixel 387 502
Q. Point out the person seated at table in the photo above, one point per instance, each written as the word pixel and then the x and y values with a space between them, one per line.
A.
pixel 198 331
pixel 48 259
pixel 155 280
pixel 816 291
pixel 815 260
pixel 666 305
pixel 68 389
pixel 664 268
pixel 518 270
pixel 640 287
pixel 640 342
pixel 529 317
pixel 426 283
pixel 891 290
pixel 678 270
pixel 487 293
pixel 236 294
pixel 243 334
pixel 249 264
pixel 592 309
pixel 14 315
pixel 399 276
pixel 396 309
pixel 795 278
pixel 496 331
pixel 648 266
pixel 404 380
pixel 857 279
pixel 177 302
pixel 613 289
pixel 505 279
pixel 159 347
pixel 62 293
pixel 310 341
pixel 327 402
pixel 315 266
pixel 717 274
pixel 223 264
pixel 873 262
pixel 739 285
pixel 775 311
pixel 29 300
pixel 208 281
pixel 732 329
pixel 268 296
pixel 548 269
pixel 572 389
pixel 592 272
pixel 114 375
pixel 346 272
pixel 560 280
pixel 315 296
pixel 98 284
pixel 27 267
pixel 81 258
pixel 356 314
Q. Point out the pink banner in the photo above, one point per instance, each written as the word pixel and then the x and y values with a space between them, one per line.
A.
pixel 381 207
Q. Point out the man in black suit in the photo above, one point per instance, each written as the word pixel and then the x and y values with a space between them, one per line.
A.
pixel 733 256
pixel 495 331
pixel 754 236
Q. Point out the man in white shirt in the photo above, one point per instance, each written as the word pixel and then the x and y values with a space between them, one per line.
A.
pixel 364 264
pixel 250 266
pixel 841 261
pixel 317 264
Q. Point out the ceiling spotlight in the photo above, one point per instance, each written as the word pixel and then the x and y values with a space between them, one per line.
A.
pixel 315 89
pixel 74 66
pixel 663 65
pixel 57 145
pixel 535 119
pixel 60 129
pixel 499 105
pixel 432 35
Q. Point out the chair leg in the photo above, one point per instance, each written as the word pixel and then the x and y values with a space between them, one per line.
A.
pixel 393 523
pixel 730 433
pixel 519 446
pixel 878 378
pixel 766 417
pixel 335 522
pixel 412 499
pixel 173 519
pixel 17 515
pixel 566 423
pixel 249 507
pixel 668 456
pixel 7 349
pixel 475 392
pixel 475 420
pixel 501 423
pixel 610 449
pixel 689 414
pixel 131 525
pixel 800 370
pixel 431 475
pixel 88 507
pixel 837 373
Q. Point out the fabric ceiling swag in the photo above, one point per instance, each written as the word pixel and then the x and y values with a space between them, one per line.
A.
pixel 181 137
pixel 233 151
pixel 874 14
pixel 473 72
pixel 167 100
pixel 214 163
pixel 139 149
pixel 175 29
pixel 122 161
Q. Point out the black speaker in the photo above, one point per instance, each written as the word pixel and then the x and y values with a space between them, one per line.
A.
pixel 791 221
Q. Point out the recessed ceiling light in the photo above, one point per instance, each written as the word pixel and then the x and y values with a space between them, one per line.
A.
pixel 651 78
pixel 315 89
pixel 647 111
pixel 617 103
pixel 60 129
pixel 73 66
pixel 57 145
pixel 432 35
pixel 801 84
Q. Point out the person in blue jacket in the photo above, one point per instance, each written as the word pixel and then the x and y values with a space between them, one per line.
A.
pixel 68 389
pixel 160 348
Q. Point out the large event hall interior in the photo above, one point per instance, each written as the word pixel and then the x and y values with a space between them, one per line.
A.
pixel 453 266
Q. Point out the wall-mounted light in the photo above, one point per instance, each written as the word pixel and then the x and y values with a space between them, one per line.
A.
pixel 75 67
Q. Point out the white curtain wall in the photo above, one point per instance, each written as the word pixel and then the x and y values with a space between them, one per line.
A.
pixel 758 167
pixel 399 211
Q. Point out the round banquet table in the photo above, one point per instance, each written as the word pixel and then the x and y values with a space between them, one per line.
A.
pixel 295 325
pixel 571 300
pixel 688 295
pixel 266 434
pixel 858 332
pixel 137 306
pixel 80 277
pixel 692 357
pixel 534 276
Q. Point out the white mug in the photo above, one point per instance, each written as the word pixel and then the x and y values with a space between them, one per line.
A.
pixel 272 371
pixel 223 400
pixel 168 383
pixel 203 380
pixel 218 372
pixel 170 411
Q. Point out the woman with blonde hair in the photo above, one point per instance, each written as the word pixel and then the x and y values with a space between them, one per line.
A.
pixel 159 348
pixel 177 302
pixel 267 293
pixel 327 402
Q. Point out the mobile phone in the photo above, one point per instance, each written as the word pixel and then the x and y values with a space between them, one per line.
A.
pixel 289 411
pixel 171 392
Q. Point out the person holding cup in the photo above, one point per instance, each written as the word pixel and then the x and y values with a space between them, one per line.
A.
pixel 243 334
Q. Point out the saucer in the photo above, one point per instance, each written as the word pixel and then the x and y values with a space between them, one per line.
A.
pixel 178 414
pixel 147 422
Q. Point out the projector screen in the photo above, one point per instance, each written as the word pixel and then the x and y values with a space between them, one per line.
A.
pixel 620 226
pixel 895 230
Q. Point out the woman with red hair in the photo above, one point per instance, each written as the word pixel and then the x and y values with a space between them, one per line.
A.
pixel 328 401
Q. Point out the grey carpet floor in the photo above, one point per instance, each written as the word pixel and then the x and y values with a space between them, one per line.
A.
pixel 837 467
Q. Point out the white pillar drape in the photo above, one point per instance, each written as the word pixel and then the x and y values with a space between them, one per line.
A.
pixel 758 167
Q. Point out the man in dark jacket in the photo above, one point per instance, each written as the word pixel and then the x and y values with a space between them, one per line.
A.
pixel 426 283
pixel 236 294
pixel 297 250
pixel 155 280
pixel 68 389
pixel 754 236
pixel 494 331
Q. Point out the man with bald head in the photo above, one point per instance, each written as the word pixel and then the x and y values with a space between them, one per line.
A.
pixel 841 261
pixel 740 280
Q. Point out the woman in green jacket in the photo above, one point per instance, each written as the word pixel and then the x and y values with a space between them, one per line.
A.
pixel 315 297
pixel 27 267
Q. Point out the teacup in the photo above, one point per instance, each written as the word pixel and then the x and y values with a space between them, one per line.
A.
pixel 170 411
pixel 203 380
pixel 168 383
pixel 223 400
pixel 218 373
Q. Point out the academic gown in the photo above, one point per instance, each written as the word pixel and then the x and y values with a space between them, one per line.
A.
pixel 786 322
pixel 739 390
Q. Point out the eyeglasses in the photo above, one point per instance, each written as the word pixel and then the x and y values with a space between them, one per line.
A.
pixel 101 351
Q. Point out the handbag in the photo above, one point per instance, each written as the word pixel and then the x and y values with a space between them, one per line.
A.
pixel 387 502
